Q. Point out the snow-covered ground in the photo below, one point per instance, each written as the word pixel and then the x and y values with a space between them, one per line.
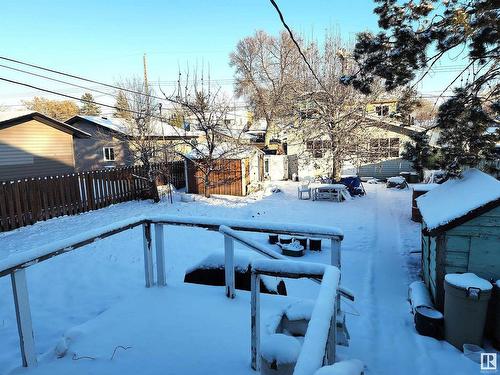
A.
pixel 92 292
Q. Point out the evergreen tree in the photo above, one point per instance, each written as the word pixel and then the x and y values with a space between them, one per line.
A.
pixel 89 107
pixel 416 35
pixel 418 152
pixel 464 138
pixel 122 106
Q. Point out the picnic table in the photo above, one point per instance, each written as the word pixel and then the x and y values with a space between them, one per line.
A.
pixel 332 192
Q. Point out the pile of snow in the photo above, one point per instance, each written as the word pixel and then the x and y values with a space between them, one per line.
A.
pixel 242 261
pixel 396 180
pixel 418 295
pixel 348 367
pixel 424 187
pixel 457 197
pixel 468 280
pixel 10 115
pixel 300 310
pixel 280 348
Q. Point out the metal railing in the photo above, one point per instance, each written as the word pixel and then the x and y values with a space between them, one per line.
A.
pixel 319 344
pixel 16 265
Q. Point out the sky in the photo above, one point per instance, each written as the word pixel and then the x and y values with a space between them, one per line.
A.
pixel 105 40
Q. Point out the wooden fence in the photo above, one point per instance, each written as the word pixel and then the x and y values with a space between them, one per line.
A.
pixel 227 179
pixel 26 201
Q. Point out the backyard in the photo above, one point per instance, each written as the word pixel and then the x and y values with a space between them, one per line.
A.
pixel 91 304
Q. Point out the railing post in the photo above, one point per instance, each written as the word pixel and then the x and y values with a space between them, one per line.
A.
pixel 331 343
pixel 161 277
pixel 335 256
pixel 23 317
pixel 229 265
pixel 148 256
pixel 255 320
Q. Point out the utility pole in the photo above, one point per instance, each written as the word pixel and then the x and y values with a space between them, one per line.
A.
pixel 145 74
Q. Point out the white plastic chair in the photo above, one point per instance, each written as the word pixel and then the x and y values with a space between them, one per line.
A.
pixel 302 189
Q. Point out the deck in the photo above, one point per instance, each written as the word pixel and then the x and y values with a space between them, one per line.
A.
pixel 183 329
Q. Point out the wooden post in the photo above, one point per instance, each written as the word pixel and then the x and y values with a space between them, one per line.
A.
pixel 335 247
pixel 255 320
pixel 23 316
pixel 148 256
pixel 161 277
pixel 229 265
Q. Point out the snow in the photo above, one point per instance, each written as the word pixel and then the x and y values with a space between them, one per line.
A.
pixel 95 296
pixel 280 348
pixel 313 348
pixel 457 197
pixel 468 280
pixel 157 128
pixel 300 310
pixel 429 312
pixel 498 283
pixel 216 260
pixel 418 294
pixel 349 367
pixel 10 115
pixel 396 180
pixel 424 187
pixel 296 267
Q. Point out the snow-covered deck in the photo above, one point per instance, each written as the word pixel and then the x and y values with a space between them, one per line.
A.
pixel 81 288
pixel 186 329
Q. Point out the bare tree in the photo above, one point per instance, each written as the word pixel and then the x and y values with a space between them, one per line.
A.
pixel 265 68
pixel 144 130
pixel 205 109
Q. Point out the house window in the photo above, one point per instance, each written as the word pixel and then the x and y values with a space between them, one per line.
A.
pixel 266 166
pixel 228 121
pixel 384 147
pixel 382 110
pixel 109 154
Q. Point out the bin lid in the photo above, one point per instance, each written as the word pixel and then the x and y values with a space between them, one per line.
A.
pixel 468 280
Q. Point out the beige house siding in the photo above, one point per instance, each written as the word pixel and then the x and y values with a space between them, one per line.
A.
pixel 89 152
pixel 383 167
pixel 33 149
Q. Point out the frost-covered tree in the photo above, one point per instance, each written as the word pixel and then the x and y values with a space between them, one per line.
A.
pixel 59 109
pixel 89 107
pixel 416 35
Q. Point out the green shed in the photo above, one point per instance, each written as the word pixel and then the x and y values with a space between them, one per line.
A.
pixel 460 230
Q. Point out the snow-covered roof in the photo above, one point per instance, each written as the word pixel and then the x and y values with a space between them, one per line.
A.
pixel 456 198
pixel 158 128
pixel 224 151
pixel 12 115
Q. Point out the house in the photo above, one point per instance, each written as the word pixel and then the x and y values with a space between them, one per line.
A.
pixel 235 172
pixel 380 157
pixel 34 145
pixel 460 230
pixel 111 142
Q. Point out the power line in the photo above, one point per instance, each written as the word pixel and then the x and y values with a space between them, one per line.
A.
pixel 296 44
pixel 75 98
pixel 88 80
pixel 57 80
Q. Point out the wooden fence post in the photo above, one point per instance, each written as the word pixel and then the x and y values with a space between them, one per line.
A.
pixel 229 265
pixel 23 316
pixel 148 256
pixel 161 277
pixel 255 320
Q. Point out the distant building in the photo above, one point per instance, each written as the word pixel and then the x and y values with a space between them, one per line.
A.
pixel 33 145
pixel 110 144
